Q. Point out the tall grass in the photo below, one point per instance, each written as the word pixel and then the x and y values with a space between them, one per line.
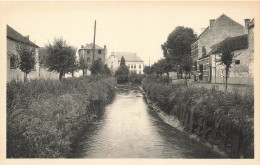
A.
pixel 45 116
pixel 221 118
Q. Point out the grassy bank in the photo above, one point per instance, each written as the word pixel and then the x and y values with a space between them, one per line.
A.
pixel 225 120
pixel 44 116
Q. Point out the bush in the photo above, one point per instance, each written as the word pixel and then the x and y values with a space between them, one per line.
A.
pixel 45 116
pixel 224 119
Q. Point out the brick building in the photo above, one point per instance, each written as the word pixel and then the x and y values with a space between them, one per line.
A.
pixel 242 68
pixel 134 63
pixel 13 72
pixel 87 53
pixel 216 32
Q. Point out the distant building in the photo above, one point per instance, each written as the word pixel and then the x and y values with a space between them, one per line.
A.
pixel 242 69
pixel 13 72
pixel 134 63
pixel 87 53
pixel 216 32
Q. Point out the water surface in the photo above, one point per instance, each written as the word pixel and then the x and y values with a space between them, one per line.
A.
pixel 129 128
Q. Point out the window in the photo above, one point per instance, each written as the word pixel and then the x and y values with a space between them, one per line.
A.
pixel 99 51
pixel 12 63
pixel 140 66
pixel 237 62
pixel 88 51
pixel 88 59
pixel 134 66
pixel 131 66
pixel 99 59
pixel 140 72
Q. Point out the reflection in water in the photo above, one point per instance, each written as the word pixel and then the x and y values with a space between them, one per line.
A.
pixel 128 128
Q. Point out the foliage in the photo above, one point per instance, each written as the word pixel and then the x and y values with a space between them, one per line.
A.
pixel 148 70
pixel 107 71
pixel 27 59
pixel 227 59
pixel 82 64
pixel 122 70
pixel 97 67
pixel 122 62
pixel 60 57
pixel 223 119
pixel 44 117
pixel 177 47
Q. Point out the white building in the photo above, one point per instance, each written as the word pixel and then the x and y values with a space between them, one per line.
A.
pixel 134 63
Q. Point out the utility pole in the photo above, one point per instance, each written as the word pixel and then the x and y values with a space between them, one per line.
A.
pixel 94 43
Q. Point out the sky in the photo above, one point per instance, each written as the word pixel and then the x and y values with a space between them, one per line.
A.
pixel 137 27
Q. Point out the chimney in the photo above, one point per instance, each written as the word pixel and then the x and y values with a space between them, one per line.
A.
pixel 82 46
pixel 211 22
pixel 105 47
pixel 247 21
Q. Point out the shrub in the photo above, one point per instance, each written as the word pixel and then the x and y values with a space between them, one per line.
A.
pixel 45 116
pixel 224 119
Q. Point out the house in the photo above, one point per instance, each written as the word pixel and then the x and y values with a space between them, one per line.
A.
pixel 87 53
pixel 242 68
pixel 216 32
pixel 134 63
pixel 13 72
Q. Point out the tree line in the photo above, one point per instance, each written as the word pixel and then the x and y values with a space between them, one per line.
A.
pixel 59 57
pixel 177 55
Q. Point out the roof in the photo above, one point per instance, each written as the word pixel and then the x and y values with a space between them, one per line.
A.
pixel 91 45
pixel 129 57
pixel 16 36
pixel 235 43
pixel 220 17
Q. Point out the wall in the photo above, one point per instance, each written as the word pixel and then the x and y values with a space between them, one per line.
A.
pixel 224 27
pixel 239 73
pixel 17 73
pixel 137 69
pixel 83 52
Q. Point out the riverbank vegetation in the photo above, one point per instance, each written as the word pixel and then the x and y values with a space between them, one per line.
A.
pixel 45 116
pixel 223 119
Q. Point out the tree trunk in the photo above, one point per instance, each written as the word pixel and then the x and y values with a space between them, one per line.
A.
pixel 25 77
pixel 186 84
pixel 60 76
pixel 226 77
pixel 168 74
pixel 83 72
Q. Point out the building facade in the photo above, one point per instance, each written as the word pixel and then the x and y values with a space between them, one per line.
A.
pixel 216 32
pixel 13 72
pixel 132 61
pixel 242 68
pixel 87 53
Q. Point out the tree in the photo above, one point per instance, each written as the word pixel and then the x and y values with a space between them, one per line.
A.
pixel 178 45
pixel 97 67
pixel 83 64
pixel 226 58
pixel 107 71
pixel 122 70
pixel 165 66
pixel 26 58
pixel 148 70
pixel 60 57
pixel 122 62
pixel 186 65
